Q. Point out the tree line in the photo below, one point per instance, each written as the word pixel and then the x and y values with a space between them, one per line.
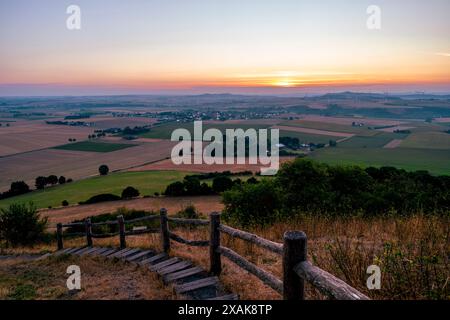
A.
pixel 308 187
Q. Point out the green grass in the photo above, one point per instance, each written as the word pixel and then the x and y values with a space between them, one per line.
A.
pixel 427 140
pixel 165 131
pixel 377 141
pixel 91 146
pixel 307 137
pixel 435 161
pixel 147 182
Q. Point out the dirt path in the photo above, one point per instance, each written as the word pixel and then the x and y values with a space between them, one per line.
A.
pixel 204 204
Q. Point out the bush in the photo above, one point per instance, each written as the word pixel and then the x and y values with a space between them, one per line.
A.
pixel 62 180
pixel 252 204
pixel 103 170
pixel 190 212
pixel 221 184
pixel 65 203
pixel 17 188
pixel 175 189
pixel 20 224
pixel 129 193
pixel 101 198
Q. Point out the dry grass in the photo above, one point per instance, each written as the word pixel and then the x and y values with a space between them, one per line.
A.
pixel 100 280
pixel 413 254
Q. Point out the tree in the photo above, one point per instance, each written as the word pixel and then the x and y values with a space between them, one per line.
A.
pixel 175 189
pixel 103 170
pixel 129 193
pixel 62 180
pixel 221 184
pixel 333 143
pixel 20 224
pixel 65 203
pixel 40 182
pixel 19 187
pixel 52 179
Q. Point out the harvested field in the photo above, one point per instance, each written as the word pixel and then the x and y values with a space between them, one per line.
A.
pixel 167 164
pixel 76 164
pixel 314 131
pixel 205 204
pixel 428 140
pixel 350 120
pixel 95 146
pixel 392 129
pixel 24 136
pixel 119 122
pixel 393 144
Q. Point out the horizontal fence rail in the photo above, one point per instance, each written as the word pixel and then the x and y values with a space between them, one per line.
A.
pixel 296 269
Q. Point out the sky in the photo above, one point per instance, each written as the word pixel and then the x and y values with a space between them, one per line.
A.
pixel 217 46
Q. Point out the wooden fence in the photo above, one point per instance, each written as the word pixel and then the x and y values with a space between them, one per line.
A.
pixel 296 268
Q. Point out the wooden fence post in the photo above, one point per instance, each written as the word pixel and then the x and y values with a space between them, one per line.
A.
pixel 294 251
pixel 59 236
pixel 88 227
pixel 121 223
pixel 165 238
pixel 214 244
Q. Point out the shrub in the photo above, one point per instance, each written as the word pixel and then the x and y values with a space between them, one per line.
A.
pixel 129 193
pixel 175 189
pixel 62 180
pixel 252 204
pixel 103 170
pixel 65 203
pixel 189 212
pixel 101 198
pixel 20 224
pixel 221 184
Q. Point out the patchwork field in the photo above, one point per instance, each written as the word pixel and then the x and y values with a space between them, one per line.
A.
pixel 328 126
pixel 146 182
pixel 427 140
pixel 24 136
pixel 314 131
pixel 167 164
pixel 307 138
pixel 165 131
pixel 77 164
pixel 435 161
pixel 91 146
pixel 377 141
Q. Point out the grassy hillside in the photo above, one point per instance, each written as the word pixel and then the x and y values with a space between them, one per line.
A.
pixel 147 182
pixel 435 161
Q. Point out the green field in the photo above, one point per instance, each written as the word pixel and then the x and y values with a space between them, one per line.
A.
pixel 363 131
pixel 90 146
pixel 427 140
pixel 435 161
pixel 147 182
pixel 377 141
pixel 165 131
pixel 307 137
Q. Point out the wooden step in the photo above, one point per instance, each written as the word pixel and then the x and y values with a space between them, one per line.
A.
pixel 118 253
pixel 168 262
pixel 141 255
pixel 76 250
pixel 63 251
pixel 197 284
pixel 175 267
pixel 80 252
pixel 128 253
pixel 226 297
pixel 153 259
pixel 44 256
pixel 89 251
pixel 108 252
pixel 182 274
pixel 99 251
